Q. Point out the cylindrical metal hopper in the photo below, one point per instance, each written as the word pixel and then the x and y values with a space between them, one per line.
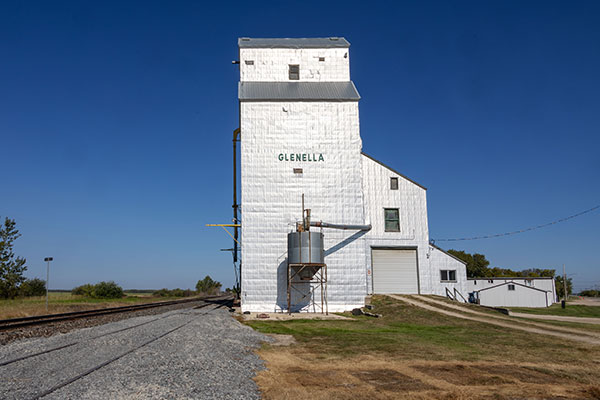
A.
pixel 305 247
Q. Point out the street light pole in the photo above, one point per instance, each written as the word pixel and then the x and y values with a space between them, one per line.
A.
pixel 47 259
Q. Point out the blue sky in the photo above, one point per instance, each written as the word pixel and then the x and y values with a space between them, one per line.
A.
pixel 116 121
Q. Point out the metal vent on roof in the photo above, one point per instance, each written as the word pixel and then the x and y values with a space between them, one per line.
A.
pixel 334 38
pixel 245 39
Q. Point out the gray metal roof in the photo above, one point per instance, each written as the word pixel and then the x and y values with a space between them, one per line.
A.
pixel 293 43
pixel 298 91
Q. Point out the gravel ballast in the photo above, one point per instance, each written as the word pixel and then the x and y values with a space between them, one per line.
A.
pixel 183 354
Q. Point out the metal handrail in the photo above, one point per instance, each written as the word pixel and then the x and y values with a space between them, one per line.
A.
pixel 460 294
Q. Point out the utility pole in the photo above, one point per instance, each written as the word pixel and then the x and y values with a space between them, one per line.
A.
pixel 47 259
pixel 564 303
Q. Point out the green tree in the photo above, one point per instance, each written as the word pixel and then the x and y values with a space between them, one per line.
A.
pixel 11 267
pixel 208 286
pixel 589 293
pixel 558 281
pixel 537 272
pixel 33 287
pixel 477 264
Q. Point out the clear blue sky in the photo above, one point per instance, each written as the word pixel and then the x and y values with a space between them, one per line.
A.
pixel 116 121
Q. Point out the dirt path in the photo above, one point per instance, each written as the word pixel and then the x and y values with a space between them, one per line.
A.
pixel 583 320
pixel 462 308
pixel 498 322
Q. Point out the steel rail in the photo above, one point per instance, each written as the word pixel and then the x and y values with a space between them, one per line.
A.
pixel 14 323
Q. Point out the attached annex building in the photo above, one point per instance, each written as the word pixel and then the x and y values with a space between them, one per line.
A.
pixel 300 135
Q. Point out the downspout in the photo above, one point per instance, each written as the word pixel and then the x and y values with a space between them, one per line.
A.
pixel 236 138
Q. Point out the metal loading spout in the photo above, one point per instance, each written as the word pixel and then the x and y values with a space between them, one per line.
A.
pixel 321 224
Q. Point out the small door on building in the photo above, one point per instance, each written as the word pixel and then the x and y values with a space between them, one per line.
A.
pixel 395 271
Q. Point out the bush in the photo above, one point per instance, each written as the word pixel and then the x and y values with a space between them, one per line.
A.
pixel 102 290
pixel 173 293
pixel 107 290
pixel 86 290
pixel 162 293
pixel 33 287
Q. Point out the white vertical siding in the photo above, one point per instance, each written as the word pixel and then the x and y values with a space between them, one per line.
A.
pixel 271 65
pixel 271 197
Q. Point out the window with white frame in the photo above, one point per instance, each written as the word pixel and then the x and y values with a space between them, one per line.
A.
pixel 511 287
pixel 448 275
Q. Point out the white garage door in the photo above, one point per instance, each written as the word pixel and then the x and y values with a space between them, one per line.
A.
pixel 395 271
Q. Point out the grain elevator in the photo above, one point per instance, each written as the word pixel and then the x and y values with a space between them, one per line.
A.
pixel 322 224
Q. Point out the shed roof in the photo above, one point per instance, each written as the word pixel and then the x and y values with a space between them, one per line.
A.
pixel 293 43
pixel 302 91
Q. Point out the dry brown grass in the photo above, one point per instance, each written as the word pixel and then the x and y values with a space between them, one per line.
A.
pixel 412 353
pixel 299 376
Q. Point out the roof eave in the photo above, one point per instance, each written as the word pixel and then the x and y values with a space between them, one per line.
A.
pixel 393 170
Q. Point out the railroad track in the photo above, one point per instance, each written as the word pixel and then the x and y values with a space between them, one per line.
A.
pixel 15 323
pixel 193 312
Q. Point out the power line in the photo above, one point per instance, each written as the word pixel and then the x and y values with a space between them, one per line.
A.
pixel 519 231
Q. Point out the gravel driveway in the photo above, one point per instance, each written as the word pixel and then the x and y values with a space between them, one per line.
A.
pixel 183 354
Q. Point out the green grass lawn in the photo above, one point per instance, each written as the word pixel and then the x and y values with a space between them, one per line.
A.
pixel 409 332
pixel 572 310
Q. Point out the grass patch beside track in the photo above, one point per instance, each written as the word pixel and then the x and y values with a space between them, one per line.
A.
pixel 59 302
pixel 414 353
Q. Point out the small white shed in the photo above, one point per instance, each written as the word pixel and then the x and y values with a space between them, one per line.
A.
pixel 513 294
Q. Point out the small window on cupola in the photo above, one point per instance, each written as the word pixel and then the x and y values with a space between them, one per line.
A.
pixel 294 72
